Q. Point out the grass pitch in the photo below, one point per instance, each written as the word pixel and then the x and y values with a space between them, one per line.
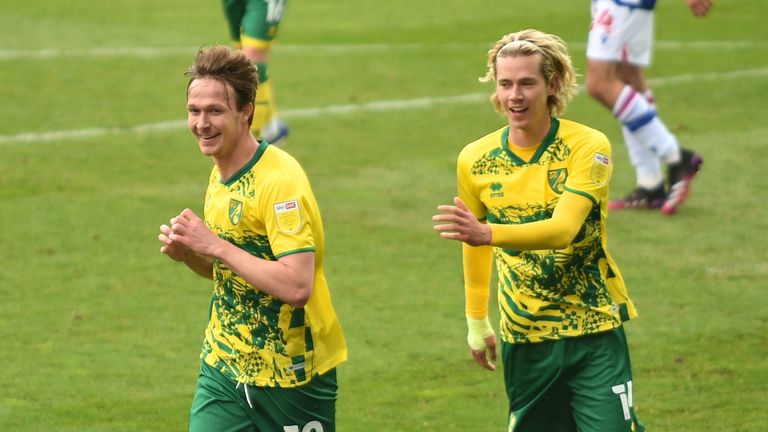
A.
pixel 101 332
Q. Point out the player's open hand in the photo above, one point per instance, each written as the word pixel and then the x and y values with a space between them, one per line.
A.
pixel 700 8
pixel 461 224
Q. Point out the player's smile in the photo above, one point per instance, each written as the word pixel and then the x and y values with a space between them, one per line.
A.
pixel 207 137
pixel 517 114
pixel 521 87
pixel 212 117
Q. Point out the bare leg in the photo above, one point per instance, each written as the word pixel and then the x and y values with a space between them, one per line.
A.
pixel 603 82
pixel 632 75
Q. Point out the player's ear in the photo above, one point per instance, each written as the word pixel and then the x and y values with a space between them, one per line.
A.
pixel 248 111
pixel 554 86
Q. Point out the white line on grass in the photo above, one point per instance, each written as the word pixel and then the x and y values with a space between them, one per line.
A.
pixel 385 105
pixel 738 270
pixel 154 52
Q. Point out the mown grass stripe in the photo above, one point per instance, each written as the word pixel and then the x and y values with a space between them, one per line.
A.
pixel 342 109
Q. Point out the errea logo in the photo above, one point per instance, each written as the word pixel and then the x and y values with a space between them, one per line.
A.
pixel 496 191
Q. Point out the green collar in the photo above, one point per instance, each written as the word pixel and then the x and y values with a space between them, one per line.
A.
pixel 256 156
pixel 545 143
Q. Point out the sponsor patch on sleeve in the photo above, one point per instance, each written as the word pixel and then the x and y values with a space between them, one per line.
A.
pixel 288 216
pixel 601 169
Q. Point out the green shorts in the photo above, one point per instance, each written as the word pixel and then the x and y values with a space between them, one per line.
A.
pixel 582 383
pixel 254 19
pixel 221 405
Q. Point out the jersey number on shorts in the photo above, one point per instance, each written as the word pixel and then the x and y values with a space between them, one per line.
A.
pixel 313 426
pixel 275 10
pixel 625 394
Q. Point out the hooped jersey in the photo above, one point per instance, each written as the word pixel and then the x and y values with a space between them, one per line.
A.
pixel 268 209
pixel 548 294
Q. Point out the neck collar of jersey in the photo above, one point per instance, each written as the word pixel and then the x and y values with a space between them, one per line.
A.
pixel 545 143
pixel 247 167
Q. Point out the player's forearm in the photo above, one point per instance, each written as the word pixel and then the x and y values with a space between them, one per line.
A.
pixel 289 279
pixel 547 234
pixel 477 265
pixel 201 265
pixel 556 232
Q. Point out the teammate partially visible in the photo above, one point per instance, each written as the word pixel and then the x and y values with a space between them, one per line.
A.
pixel 532 196
pixel 273 341
pixel 253 25
pixel 618 51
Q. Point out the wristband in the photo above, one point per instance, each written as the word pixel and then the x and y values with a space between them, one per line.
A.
pixel 478 330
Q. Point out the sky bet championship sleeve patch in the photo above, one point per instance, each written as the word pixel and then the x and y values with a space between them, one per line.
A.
pixel 288 216
pixel 600 169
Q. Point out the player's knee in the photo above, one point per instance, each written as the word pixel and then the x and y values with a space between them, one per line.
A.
pixel 257 55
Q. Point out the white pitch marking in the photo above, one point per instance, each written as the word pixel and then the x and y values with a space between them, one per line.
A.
pixel 154 52
pixel 384 105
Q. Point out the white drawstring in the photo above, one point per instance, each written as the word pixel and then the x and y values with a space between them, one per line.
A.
pixel 247 397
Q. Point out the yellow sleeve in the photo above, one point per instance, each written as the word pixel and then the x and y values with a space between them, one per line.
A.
pixel 466 187
pixel 556 232
pixel 288 205
pixel 589 167
pixel 477 263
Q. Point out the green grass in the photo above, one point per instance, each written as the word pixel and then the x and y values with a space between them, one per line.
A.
pixel 101 332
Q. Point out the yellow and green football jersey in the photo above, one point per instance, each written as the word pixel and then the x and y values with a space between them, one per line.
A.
pixel 268 209
pixel 548 294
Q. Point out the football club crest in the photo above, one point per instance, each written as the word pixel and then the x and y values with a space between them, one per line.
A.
pixel 557 178
pixel 288 216
pixel 601 169
pixel 235 211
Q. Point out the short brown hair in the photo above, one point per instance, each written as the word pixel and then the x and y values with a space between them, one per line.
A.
pixel 221 63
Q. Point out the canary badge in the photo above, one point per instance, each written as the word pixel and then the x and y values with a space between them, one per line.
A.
pixel 557 178
pixel 235 211
pixel 288 216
